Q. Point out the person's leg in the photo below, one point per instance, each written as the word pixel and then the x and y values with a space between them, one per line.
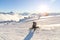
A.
pixel 34 29
pixel 37 27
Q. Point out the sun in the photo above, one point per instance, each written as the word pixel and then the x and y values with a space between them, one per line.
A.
pixel 43 8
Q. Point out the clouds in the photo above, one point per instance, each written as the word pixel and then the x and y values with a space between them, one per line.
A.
pixel 14 17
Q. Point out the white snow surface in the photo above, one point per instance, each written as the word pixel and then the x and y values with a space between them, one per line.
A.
pixel 49 29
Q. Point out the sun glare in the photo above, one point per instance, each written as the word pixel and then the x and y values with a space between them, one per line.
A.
pixel 43 8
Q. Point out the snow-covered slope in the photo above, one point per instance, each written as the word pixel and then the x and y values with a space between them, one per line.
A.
pixel 49 30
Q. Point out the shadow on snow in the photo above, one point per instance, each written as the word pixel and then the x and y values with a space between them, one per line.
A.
pixel 30 35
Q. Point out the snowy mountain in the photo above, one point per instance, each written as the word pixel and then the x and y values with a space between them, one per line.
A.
pixel 20 17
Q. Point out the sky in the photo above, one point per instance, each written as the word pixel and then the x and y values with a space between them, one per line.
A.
pixel 51 6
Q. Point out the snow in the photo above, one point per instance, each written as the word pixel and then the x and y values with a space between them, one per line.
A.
pixel 49 29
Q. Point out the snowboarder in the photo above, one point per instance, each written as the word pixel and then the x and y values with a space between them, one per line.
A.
pixel 34 26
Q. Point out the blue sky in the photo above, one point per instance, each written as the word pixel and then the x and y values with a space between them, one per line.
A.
pixel 29 5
